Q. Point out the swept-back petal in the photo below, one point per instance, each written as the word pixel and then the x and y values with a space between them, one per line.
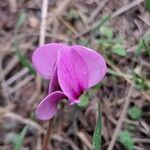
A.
pixel 72 73
pixel 44 58
pixel 95 63
pixel 48 106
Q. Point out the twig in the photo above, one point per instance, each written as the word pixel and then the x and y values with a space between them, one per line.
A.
pixel 144 20
pixel 146 96
pixel 16 76
pixel 43 22
pixel 65 140
pixel 138 148
pixel 97 10
pixel 62 5
pixel 10 65
pixel 24 121
pixel 132 49
pixel 69 26
pixel 113 120
pixel 145 64
pixel 6 108
pixel 5 93
pixel 13 5
pixel 121 119
pixel 38 145
pixel 138 140
pixel 127 7
pixel 21 84
pixel 84 139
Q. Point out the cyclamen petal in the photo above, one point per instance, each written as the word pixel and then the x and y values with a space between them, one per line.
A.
pixel 44 58
pixel 95 63
pixel 72 73
pixel 48 106
pixel 54 85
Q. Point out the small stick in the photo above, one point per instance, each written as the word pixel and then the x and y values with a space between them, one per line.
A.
pixel 65 140
pixel 16 76
pixel 121 119
pixel 138 140
pixel 4 90
pixel 43 22
pixel 21 84
pixel 127 7
pixel 13 5
pixel 84 139
pixel 23 120
pixel 97 10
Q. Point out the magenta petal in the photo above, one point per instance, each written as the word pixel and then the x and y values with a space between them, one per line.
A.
pixel 72 73
pixel 45 57
pixel 95 63
pixel 48 106
pixel 54 85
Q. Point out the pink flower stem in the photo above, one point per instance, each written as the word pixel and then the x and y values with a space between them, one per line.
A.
pixel 48 135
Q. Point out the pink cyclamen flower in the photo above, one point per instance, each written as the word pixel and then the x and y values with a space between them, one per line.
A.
pixel 71 69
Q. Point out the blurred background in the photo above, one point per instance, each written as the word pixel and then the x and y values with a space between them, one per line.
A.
pixel 119 30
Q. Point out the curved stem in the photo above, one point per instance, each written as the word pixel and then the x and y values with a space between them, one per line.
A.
pixel 48 135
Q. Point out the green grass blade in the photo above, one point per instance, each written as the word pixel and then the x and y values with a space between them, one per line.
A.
pixel 97 137
pixel 146 46
pixel 147 3
pixel 119 74
pixel 101 22
pixel 20 138
pixel 20 22
pixel 22 58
